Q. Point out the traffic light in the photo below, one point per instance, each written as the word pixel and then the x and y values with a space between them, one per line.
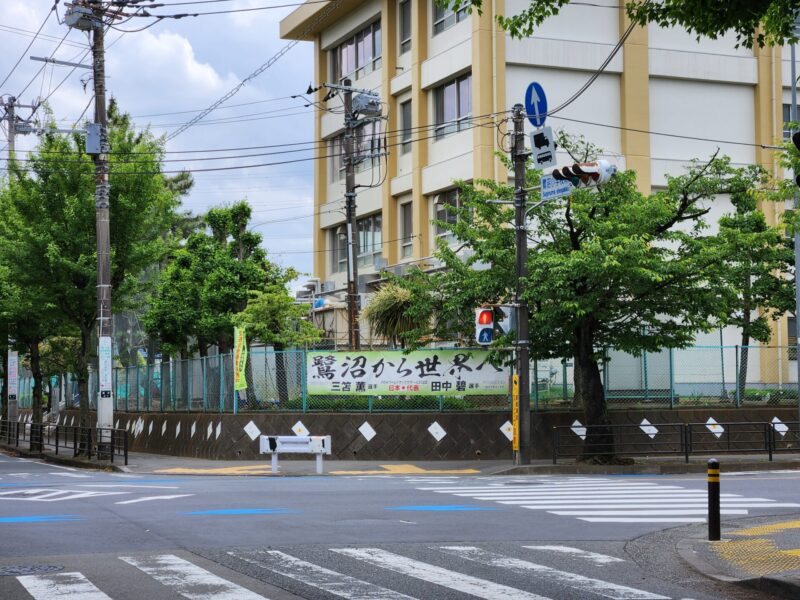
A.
pixel 589 174
pixel 484 325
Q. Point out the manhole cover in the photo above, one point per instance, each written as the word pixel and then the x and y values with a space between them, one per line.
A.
pixel 15 570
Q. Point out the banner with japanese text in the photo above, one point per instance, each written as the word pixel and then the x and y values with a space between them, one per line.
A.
pixel 393 373
pixel 239 358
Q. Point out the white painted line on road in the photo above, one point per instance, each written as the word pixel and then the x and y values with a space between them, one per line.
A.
pixel 149 498
pixel 129 485
pixel 641 513
pixel 643 519
pixel 632 494
pixel 571 580
pixel 671 505
pixel 77 475
pixel 549 487
pixel 481 588
pixel 56 466
pixel 595 557
pixel 321 578
pixel 189 580
pixel 61 586
pixel 623 500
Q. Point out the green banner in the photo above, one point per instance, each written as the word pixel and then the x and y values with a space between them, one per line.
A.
pixel 239 359
pixel 393 373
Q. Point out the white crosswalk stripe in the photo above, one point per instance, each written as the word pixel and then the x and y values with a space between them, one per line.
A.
pixel 481 588
pixel 610 501
pixel 338 584
pixel 571 580
pixel 189 580
pixel 61 586
pixel 518 574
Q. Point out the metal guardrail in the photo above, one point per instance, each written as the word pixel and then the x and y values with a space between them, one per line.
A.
pixel 94 442
pixel 656 439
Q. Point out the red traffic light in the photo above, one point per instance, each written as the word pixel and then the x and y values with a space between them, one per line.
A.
pixel 485 317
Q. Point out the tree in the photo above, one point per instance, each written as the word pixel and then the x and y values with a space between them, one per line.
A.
pixel 753 21
pixel 53 207
pixel 275 319
pixel 387 315
pixel 608 268
pixel 759 265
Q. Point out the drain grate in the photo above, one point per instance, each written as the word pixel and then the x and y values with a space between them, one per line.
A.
pixel 15 570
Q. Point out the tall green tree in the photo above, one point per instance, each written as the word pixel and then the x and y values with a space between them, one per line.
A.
pixel 755 22
pixel 608 268
pixel 52 202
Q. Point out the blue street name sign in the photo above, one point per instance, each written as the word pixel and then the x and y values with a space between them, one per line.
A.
pixel 553 188
pixel 536 104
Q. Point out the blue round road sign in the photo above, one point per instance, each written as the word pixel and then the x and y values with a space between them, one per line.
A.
pixel 536 104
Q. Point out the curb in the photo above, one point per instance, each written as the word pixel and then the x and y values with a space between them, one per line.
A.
pixel 66 461
pixel 776 585
pixel 641 469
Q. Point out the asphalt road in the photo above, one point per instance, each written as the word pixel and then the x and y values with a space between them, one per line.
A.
pixel 74 534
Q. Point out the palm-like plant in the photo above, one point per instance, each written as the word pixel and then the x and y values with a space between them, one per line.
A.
pixel 387 313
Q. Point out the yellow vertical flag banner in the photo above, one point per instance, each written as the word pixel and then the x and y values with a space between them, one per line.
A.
pixel 515 412
pixel 239 358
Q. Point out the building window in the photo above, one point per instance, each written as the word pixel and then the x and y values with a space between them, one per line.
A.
pixel 405 123
pixel 787 117
pixel 366 148
pixel 791 326
pixel 445 18
pixel 405 26
pixel 370 243
pixel 407 225
pixel 359 55
pixel 453 106
pixel 444 203
pixel 339 249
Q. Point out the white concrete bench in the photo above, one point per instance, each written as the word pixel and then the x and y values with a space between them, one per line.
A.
pixel 296 444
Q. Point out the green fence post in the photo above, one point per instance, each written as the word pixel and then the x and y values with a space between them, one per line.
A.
pixel 722 363
pixel 204 370
pixel 149 387
pixel 605 375
pixel 161 385
pixel 127 387
pixel 221 384
pixel 736 378
pixel 671 379
pixel 304 379
pixel 564 379
pixel 535 385
pixel 137 383
pixel 189 369
pixel 644 375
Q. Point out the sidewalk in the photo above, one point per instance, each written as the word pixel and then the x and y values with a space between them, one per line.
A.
pixel 762 553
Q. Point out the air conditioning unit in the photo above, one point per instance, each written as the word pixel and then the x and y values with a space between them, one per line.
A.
pixel 365 279
pixel 327 286
pixel 379 262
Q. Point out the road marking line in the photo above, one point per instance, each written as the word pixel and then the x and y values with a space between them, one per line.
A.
pixel 572 580
pixel 641 513
pixel 129 485
pixel 77 475
pixel 671 505
pixel 595 557
pixel 407 470
pixel 547 487
pixel 61 586
pixel 623 500
pixel 643 519
pixel 52 466
pixel 321 578
pixel 488 590
pixel 189 580
pixel 148 498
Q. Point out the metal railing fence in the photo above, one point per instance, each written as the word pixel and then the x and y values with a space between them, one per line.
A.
pixel 93 442
pixel 695 377
pixel 686 439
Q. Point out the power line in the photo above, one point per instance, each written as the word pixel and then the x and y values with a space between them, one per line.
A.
pixel 225 12
pixel 323 14
pixel 42 36
pixel 24 52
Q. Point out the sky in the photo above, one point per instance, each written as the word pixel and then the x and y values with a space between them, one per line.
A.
pixel 183 66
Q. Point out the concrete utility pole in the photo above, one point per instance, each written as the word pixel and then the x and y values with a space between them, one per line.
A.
pixel 105 403
pixel 353 333
pixel 519 156
pixel 793 117
pixel 12 127
pixel 89 15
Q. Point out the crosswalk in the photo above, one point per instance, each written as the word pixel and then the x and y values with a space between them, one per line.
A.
pixel 608 500
pixel 365 573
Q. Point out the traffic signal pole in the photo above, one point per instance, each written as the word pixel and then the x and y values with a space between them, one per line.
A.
pixel 519 157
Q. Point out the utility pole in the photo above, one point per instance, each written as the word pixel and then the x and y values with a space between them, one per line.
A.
pixel 12 127
pixel 88 15
pixel 793 117
pixel 353 333
pixel 519 157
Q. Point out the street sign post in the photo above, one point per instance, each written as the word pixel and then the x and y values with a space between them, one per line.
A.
pixel 535 104
pixel 553 188
pixel 515 412
pixel 544 148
